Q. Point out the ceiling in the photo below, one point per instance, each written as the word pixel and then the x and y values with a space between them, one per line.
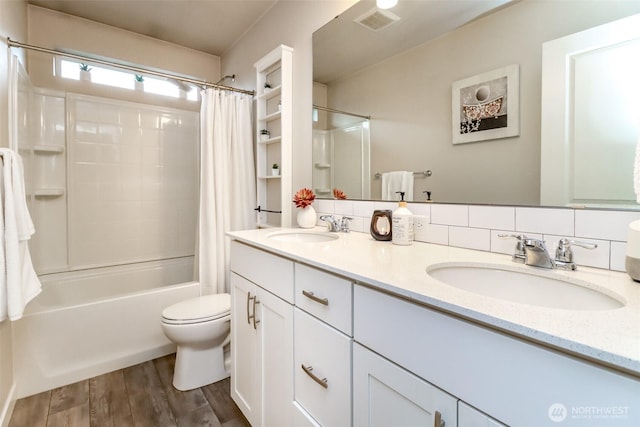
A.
pixel 211 26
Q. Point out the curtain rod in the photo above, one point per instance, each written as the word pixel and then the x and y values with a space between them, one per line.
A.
pixel 331 110
pixel 138 70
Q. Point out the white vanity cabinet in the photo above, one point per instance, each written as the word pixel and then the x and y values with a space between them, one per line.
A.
pixel 261 335
pixel 471 417
pixel 322 368
pixel 511 380
pixel 386 395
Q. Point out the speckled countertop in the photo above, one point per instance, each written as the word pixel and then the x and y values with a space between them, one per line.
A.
pixel 610 337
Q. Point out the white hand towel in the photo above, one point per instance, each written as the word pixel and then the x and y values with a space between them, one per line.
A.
pixel 19 283
pixel 395 181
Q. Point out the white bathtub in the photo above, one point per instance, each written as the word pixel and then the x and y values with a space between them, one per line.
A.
pixel 90 322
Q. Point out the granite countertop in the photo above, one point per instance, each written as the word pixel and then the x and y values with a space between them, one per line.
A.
pixel 609 337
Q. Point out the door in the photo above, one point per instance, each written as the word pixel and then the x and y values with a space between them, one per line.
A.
pixel 386 395
pixel 275 358
pixel 244 377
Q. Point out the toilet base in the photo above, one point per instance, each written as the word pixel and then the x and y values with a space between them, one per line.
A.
pixel 196 367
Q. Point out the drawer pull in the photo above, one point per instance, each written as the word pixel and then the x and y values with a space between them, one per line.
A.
pixel 311 296
pixel 255 302
pixel 307 370
pixel 437 420
pixel 248 301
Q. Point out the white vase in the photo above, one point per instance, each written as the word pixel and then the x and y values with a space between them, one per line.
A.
pixel 275 172
pixel 306 217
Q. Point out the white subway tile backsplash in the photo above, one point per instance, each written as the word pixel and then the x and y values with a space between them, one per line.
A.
pixel 478 227
pixel 618 255
pixel 363 209
pixel 545 220
pixel 344 207
pixel 493 217
pixel 450 215
pixel 470 238
pixel 437 234
pixel 608 225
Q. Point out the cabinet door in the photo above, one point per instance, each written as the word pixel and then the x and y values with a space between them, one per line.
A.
pixel 387 395
pixel 471 417
pixel 275 349
pixel 244 379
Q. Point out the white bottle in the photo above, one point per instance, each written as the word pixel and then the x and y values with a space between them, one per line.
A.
pixel 402 224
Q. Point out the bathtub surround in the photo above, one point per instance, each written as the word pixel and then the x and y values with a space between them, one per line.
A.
pixel 477 227
pixel 227 182
pixel 18 281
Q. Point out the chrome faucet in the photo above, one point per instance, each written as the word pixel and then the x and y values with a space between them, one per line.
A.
pixel 335 225
pixel 534 252
pixel 530 251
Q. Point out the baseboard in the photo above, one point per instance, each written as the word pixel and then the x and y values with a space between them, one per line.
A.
pixel 7 406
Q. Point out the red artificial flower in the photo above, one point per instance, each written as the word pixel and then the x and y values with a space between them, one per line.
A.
pixel 339 194
pixel 303 198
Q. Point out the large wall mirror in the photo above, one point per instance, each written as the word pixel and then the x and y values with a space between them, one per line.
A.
pixel 401 75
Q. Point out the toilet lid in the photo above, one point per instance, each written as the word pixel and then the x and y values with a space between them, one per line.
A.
pixel 199 309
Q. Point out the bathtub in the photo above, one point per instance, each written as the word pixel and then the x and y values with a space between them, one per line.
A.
pixel 91 322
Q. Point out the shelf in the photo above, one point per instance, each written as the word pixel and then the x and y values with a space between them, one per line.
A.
pixel 44 149
pixel 270 140
pixel 270 94
pixel 271 117
pixel 323 190
pixel 323 165
pixel 47 192
pixel 270 177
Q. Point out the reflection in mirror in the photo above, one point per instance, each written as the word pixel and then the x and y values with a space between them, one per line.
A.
pixel 341 159
pixel 408 92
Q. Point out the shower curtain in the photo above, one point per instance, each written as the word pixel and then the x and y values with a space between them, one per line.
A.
pixel 227 182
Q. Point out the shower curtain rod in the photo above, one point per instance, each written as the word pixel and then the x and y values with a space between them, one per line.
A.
pixel 331 110
pixel 137 70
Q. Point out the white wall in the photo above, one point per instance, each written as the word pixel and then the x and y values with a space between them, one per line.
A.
pixel 291 23
pixel 409 98
pixel 56 30
pixel 13 24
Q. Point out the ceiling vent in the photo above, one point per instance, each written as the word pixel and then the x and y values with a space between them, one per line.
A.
pixel 377 19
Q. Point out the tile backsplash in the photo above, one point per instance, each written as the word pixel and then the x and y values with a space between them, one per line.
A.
pixel 477 227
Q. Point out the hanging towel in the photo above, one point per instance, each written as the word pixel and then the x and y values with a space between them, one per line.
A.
pixel 397 181
pixel 19 283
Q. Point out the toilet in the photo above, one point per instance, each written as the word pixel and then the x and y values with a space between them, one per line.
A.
pixel 200 329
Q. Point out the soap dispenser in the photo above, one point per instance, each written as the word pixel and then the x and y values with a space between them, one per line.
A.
pixel 402 223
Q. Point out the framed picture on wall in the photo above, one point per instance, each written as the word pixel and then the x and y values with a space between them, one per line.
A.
pixel 486 106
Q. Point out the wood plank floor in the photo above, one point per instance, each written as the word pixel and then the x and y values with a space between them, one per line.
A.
pixel 139 396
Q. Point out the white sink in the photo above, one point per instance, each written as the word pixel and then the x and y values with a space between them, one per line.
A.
pixel 526 286
pixel 303 236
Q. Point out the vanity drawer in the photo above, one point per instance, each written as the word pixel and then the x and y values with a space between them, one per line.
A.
pixel 322 371
pixel 270 272
pixel 325 296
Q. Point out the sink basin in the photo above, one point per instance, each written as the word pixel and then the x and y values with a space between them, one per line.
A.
pixel 525 286
pixel 303 236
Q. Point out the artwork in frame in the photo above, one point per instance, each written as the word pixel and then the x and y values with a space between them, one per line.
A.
pixel 486 106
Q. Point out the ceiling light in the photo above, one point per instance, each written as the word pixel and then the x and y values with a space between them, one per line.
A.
pixel 386 4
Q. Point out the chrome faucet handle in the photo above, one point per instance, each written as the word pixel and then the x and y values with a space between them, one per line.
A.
pixel 519 255
pixel 344 223
pixel 564 254
pixel 332 222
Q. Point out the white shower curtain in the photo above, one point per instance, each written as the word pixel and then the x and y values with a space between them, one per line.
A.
pixel 227 182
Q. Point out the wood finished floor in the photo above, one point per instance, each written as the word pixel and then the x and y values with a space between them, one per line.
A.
pixel 139 396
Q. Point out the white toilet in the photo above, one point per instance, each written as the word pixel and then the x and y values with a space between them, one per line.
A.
pixel 200 329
